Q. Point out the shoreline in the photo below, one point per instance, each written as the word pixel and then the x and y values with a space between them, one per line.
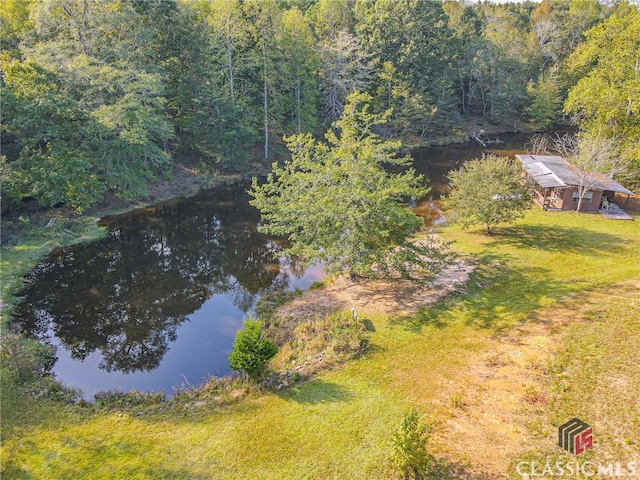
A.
pixel 34 235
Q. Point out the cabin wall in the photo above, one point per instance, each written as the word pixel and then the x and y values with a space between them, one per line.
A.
pixel 566 200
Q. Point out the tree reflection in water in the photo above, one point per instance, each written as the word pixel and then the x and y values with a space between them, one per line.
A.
pixel 126 296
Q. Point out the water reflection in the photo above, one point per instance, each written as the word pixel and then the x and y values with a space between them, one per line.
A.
pixel 157 303
pixel 127 295
pixel 435 163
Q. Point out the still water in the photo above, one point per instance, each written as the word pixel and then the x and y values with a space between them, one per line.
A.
pixel 156 304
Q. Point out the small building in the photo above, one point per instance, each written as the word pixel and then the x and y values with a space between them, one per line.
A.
pixel 556 184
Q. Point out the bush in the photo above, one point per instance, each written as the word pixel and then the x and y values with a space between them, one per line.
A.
pixel 26 363
pixel 25 359
pixel 487 191
pixel 134 398
pixel 411 457
pixel 252 351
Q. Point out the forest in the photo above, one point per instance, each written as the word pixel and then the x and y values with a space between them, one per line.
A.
pixel 107 95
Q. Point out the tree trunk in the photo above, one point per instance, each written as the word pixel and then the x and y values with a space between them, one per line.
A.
pixel 580 194
pixel 230 67
pixel 266 105
pixel 298 106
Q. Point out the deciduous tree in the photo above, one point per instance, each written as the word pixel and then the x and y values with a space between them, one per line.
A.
pixel 593 157
pixel 337 203
pixel 606 100
pixel 487 191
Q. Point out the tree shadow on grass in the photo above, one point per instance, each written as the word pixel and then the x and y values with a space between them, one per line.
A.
pixel 504 295
pixel 431 316
pixel 316 392
pixel 495 297
pixel 555 238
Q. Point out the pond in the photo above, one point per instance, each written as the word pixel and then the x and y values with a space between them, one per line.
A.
pixel 156 304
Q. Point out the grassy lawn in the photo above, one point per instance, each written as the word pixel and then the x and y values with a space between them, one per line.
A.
pixel 340 424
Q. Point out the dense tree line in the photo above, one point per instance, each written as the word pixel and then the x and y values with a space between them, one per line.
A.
pixel 104 95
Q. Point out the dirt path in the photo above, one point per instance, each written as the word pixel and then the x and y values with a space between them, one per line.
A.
pixel 503 391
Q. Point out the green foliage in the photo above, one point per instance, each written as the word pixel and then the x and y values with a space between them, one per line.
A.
pixel 26 363
pixel 606 100
pixel 252 351
pixel 545 107
pixel 415 37
pixel 104 94
pixel 300 93
pixel 85 107
pixel 336 202
pixel 487 191
pixel 52 166
pixel 410 455
pixel 14 18
pixel 25 359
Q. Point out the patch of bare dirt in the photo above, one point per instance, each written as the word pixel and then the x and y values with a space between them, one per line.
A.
pixel 502 392
pixel 397 297
pixel 302 324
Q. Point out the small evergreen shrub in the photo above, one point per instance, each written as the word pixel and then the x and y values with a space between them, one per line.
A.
pixel 252 350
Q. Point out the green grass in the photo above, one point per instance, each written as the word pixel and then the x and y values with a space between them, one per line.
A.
pixel 595 377
pixel 29 245
pixel 340 424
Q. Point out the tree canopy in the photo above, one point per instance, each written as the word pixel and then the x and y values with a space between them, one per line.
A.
pixel 108 95
pixel 487 191
pixel 344 202
pixel 606 99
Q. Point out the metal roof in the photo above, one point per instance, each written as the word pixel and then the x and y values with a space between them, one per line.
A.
pixel 553 171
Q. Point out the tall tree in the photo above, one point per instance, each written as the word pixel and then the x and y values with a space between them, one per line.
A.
pixel 545 107
pixel 230 30
pixel 466 25
pixel 264 15
pixel 344 70
pixel 330 17
pixel 102 54
pixel 15 23
pixel 415 36
pixel 509 62
pixel 301 64
pixel 338 205
pixel 606 100
pixel 55 162
pixel 209 77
